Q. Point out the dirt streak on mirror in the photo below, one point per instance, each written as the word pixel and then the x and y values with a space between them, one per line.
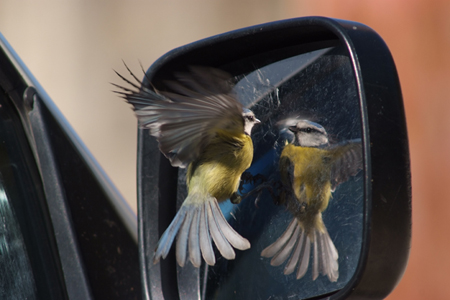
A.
pixel 302 207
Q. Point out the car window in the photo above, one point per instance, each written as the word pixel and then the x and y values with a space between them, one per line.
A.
pixel 16 276
pixel 29 261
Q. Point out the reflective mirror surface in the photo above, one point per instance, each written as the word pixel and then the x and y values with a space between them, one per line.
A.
pixel 319 87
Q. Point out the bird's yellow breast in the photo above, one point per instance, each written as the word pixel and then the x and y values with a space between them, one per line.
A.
pixel 218 169
pixel 307 167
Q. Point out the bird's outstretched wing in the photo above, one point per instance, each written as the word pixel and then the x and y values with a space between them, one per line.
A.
pixel 346 161
pixel 187 117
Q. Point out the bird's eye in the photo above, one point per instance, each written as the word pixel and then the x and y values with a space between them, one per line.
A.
pixel 251 118
pixel 308 130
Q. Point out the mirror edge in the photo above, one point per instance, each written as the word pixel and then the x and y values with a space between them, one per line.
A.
pixel 388 236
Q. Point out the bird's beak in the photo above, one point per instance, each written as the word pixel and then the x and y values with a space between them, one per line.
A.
pixel 257 121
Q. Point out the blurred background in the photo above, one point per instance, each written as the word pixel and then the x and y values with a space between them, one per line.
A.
pixel 72 47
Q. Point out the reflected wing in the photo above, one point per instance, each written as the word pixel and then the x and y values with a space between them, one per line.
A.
pixel 346 160
pixel 184 120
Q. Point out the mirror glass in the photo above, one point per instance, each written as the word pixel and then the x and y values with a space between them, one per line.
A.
pixel 313 93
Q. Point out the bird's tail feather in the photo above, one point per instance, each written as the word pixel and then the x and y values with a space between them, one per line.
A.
pixel 294 248
pixel 325 256
pixel 194 225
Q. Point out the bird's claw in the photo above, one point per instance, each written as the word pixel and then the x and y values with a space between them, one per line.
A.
pixel 235 198
pixel 248 177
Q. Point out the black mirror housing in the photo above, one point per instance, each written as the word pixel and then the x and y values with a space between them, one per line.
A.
pixel 378 117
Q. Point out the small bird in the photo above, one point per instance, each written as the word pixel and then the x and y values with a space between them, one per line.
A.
pixel 200 125
pixel 310 170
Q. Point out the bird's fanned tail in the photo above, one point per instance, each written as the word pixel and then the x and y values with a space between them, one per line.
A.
pixel 196 225
pixel 294 248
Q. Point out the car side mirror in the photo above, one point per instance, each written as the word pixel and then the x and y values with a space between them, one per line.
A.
pixel 339 76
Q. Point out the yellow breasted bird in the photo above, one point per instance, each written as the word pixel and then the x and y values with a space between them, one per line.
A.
pixel 310 170
pixel 199 125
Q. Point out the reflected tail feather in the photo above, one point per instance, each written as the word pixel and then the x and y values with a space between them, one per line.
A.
pixel 294 248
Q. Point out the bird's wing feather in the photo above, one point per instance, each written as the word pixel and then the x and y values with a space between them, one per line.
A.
pixel 186 118
pixel 346 159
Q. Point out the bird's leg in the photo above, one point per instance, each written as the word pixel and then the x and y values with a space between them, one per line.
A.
pixel 280 194
pixel 259 177
pixel 257 189
pixel 258 197
pixel 268 185
pixel 302 207
pixel 247 177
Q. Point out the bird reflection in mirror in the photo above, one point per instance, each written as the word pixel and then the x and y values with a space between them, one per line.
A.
pixel 310 170
pixel 200 125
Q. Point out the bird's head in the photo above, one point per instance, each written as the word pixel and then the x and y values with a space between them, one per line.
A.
pixel 249 120
pixel 309 134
